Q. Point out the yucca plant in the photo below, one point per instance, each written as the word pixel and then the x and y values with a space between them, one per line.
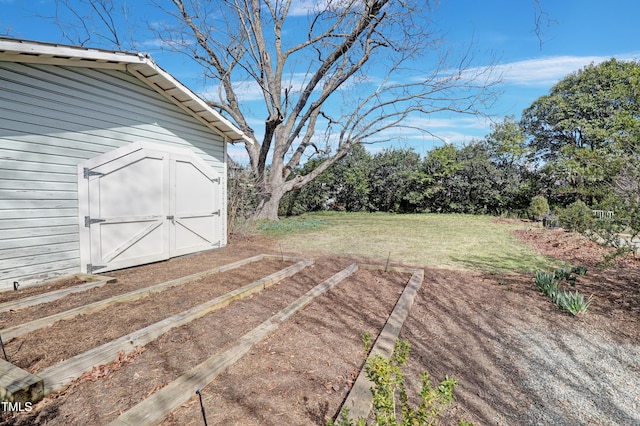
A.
pixel 549 284
pixel 574 303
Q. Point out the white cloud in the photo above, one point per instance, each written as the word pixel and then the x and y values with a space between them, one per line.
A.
pixel 156 43
pixel 544 72
pixel 459 122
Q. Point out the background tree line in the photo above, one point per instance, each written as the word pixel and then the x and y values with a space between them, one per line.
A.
pixel 471 179
pixel 578 144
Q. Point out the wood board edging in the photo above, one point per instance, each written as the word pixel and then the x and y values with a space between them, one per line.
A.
pixel 58 376
pixel 18 385
pixel 22 329
pixel 97 281
pixel 153 409
pixel 359 400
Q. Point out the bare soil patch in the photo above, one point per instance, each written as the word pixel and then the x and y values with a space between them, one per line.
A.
pixel 472 326
pixel 57 284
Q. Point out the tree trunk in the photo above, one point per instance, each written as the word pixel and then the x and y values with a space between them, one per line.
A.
pixel 268 210
pixel 269 194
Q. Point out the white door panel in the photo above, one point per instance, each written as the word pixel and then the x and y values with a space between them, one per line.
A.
pixel 196 214
pixel 147 205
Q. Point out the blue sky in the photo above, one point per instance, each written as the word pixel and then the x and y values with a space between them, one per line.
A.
pixel 579 32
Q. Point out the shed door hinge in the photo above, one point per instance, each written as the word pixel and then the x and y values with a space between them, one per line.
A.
pixel 88 221
pixel 92 268
pixel 86 172
pixel 216 180
pixel 217 212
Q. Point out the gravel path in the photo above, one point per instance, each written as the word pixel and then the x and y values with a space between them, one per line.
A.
pixel 578 378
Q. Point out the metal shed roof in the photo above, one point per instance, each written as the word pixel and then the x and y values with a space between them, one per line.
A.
pixel 139 65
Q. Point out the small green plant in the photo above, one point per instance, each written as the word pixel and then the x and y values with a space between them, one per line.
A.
pixel 574 303
pixel 366 341
pixel 549 283
pixel 344 419
pixel 569 275
pixel 391 406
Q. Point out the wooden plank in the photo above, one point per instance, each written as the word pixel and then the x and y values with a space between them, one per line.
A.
pixel 359 400
pixel 38 222
pixel 24 194
pixel 16 166
pixel 58 376
pixel 21 329
pixel 18 385
pixel 35 241
pixel 402 269
pixel 38 204
pixel 33 185
pixel 153 409
pixel 96 281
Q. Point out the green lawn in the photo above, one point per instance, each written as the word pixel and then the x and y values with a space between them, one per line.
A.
pixel 448 241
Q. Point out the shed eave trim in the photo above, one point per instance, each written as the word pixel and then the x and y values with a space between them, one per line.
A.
pixel 139 65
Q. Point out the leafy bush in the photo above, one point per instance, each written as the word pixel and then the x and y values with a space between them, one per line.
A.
pixel 577 217
pixel 538 207
pixel 390 400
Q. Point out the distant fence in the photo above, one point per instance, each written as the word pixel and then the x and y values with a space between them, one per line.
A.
pixel 603 214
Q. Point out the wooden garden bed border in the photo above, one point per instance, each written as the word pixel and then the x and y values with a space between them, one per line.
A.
pixel 21 329
pixel 17 384
pixel 359 400
pixel 91 281
pixel 58 376
pixel 153 409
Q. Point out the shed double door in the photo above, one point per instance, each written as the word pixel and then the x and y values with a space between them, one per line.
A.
pixel 145 205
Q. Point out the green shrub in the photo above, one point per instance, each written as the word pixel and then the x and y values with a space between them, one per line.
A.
pixel 538 207
pixel 577 217
pixel 391 405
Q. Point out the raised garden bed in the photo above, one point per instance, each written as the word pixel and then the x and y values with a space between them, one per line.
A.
pixel 174 352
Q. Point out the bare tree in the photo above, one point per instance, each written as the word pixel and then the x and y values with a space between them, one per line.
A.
pixel 90 21
pixel 331 74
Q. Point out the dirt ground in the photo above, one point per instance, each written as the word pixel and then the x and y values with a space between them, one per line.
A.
pixel 463 324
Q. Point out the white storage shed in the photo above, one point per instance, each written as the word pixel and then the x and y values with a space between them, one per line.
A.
pixel 106 162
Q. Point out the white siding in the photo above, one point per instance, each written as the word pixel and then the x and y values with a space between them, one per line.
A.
pixel 51 119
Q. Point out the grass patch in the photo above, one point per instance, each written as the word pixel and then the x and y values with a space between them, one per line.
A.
pixel 291 225
pixel 435 240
